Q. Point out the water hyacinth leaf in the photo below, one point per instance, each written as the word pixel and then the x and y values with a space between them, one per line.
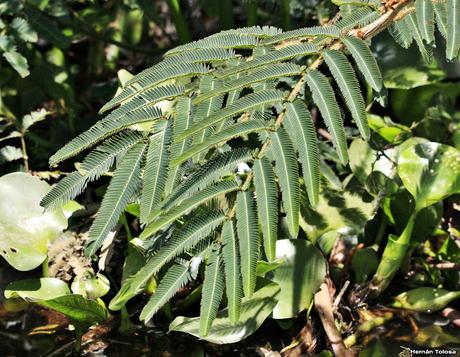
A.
pixel 430 172
pixel 25 228
pixel 36 289
pixel 299 276
pixel 425 299
pixel 254 311
pixel 81 312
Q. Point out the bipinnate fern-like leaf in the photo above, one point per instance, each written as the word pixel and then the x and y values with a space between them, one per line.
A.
pixel 103 129
pixel 213 287
pixel 122 187
pixel 267 205
pixel 365 61
pixel 190 234
pixel 324 98
pixel 411 22
pixel 156 169
pixel 248 239
pixel 453 29
pixel 174 279
pixel 287 171
pixel 218 189
pixel 181 122
pixel 346 79
pixel 244 104
pixel 95 164
pixel 231 257
pixel 299 125
pixel 401 33
pixel 304 33
pixel 440 11
pixel 425 19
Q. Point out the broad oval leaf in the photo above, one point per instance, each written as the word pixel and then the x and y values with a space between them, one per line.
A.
pixel 299 276
pixel 254 311
pixel 37 289
pixel 430 172
pixel 25 227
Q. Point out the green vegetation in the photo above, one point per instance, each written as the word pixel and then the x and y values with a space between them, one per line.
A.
pixel 303 172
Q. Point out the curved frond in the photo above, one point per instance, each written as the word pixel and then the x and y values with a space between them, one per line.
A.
pixel 122 187
pixel 401 33
pixel 345 77
pixel 187 205
pixel 190 234
pixel 175 278
pixel 304 33
pixel 287 171
pixel 231 259
pixel 248 238
pixel 156 169
pixel 453 29
pixel 425 19
pixel 247 103
pixel 299 125
pixel 208 173
pixel 365 60
pixel 213 287
pixel 267 204
pixel 324 98
pixel 411 22
pixel 440 11
pixel 233 131
pixel 102 130
pixel 95 164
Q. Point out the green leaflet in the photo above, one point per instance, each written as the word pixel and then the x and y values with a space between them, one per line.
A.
pixel 182 121
pixel 440 11
pixel 156 169
pixel 453 29
pixel 411 22
pixel 213 170
pixel 213 287
pixel 365 61
pixel 299 125
pixel 425 19
pixel 248 238
pixel 174 279
pixel 122 187
pixel 234 131
pixel 324 98
pixel 267 204
pixel 247 103
pixel 276 56
pixel 189 235
pixel 273 71
pixel 96 163
pixel 231 258
pixel 306 32
pixel 401 33
pixel 163 74
pixel 287 171
pixel 345 77
pixel 187 205
pixel 103 129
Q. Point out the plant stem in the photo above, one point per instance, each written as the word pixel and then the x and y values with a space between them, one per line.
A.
pixel 179 21
pixel 252 14
pixel 226 14
pixel 25 157
pixel 45 268
pixel 286 15
pixel 392 258
pixel 124 221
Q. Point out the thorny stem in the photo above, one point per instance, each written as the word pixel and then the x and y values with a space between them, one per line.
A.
pixel 365 32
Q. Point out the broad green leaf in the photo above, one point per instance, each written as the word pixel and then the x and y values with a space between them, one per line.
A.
pixel 82 312
pixel 254 311
pixel 25 228
pixel 37 289
pixel 430 172
pixel 342 211
pixel 299 276
pixel 425 299
pixel 91 286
